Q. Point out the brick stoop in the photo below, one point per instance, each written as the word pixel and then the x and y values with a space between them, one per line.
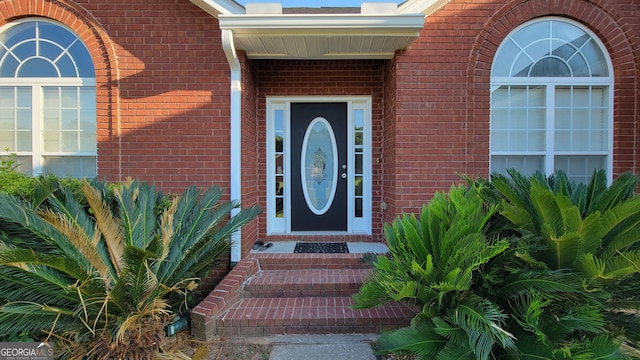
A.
pixel 278 294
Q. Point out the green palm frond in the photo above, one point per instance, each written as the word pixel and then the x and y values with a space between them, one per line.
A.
pixel 28 258
pixel 421 340
pixel 622 224
pixel 136 204
pixel 544 281
pixel 530 348
pixel 27 317
pixel 17 284
pixel 483 321
pixel 601 347
pixel 528 309
pixel 602 197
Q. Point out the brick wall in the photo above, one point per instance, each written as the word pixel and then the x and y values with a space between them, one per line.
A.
pixel 252 192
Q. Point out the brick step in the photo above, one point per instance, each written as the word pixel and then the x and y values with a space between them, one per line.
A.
pixel 305 283
pixel 308 315
pixel 311 261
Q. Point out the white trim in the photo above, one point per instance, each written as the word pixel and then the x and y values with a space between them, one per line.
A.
pixel 350 24
pixel 354 225
pixel 235 135
pixel 217 7
pixel 426 7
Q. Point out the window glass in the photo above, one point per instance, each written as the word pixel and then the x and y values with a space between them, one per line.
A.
pixel 52 128
pixel 559 121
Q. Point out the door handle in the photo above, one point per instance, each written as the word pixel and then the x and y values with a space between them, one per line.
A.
pixel 343 175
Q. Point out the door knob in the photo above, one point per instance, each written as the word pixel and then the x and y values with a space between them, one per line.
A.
pixel 343 175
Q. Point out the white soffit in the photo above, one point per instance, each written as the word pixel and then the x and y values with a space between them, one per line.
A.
pixel 367 35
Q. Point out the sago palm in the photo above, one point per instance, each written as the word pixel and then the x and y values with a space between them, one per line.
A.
pixel 103 278
pixel 433 261
pixel 591 229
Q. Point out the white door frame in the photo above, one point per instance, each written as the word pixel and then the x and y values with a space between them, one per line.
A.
pixel 358 112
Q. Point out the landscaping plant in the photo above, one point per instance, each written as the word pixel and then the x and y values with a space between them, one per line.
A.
pixel 103 278
pixel 515 268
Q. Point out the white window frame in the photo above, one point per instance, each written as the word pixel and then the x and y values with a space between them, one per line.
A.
pixel 37 84
pixel 360 225
pixel 550 84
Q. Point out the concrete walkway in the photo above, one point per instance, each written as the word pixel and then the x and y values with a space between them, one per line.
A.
pixel 320 347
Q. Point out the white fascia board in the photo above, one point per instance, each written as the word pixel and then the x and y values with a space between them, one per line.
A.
pixel 306 24
pixel 426 7
pixel 218 7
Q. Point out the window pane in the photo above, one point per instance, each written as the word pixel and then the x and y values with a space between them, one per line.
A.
pixel 358 208
pixel 7 141
pixel 69 119
pixel 580 168
pixel 23 139
pixel 358 185
pixel 7 122
pixel 596 59
pixel 72 166
pixel 69 141
pixel 9 67
pixel 49 50
pixel 88 141
pixel 56 33
pixel 525 164
pixel 37 68
pixel 51 141
pixel 19 33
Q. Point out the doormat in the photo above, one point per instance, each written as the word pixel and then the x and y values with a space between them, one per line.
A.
pixel 321 248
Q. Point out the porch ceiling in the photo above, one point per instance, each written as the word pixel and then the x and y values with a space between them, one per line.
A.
pixel 322 36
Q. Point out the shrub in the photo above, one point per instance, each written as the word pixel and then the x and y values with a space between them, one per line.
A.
pixel 512 269
pixel 103 280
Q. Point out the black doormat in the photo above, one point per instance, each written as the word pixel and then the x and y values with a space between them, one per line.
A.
pixel 321 248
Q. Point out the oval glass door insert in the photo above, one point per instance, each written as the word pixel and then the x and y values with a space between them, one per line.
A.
pixel 319 159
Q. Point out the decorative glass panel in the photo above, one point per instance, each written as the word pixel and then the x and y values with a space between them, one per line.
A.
pixel 550 49
pixel 37 49
pixel 319 159
pixel 279 162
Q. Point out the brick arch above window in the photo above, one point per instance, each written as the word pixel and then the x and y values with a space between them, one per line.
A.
pixel 604 23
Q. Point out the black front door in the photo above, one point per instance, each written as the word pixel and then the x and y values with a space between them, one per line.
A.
pixel 319 166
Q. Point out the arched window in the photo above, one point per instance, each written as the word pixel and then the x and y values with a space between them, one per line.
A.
pixel 47 99
pixel 551 96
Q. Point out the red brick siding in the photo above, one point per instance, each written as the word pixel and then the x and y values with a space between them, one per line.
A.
pixel 388 159
pixel 251 190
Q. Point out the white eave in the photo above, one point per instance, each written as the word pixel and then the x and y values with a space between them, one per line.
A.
pixel 326 36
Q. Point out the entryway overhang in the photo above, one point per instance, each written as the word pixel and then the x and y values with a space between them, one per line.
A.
pixel 377 32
